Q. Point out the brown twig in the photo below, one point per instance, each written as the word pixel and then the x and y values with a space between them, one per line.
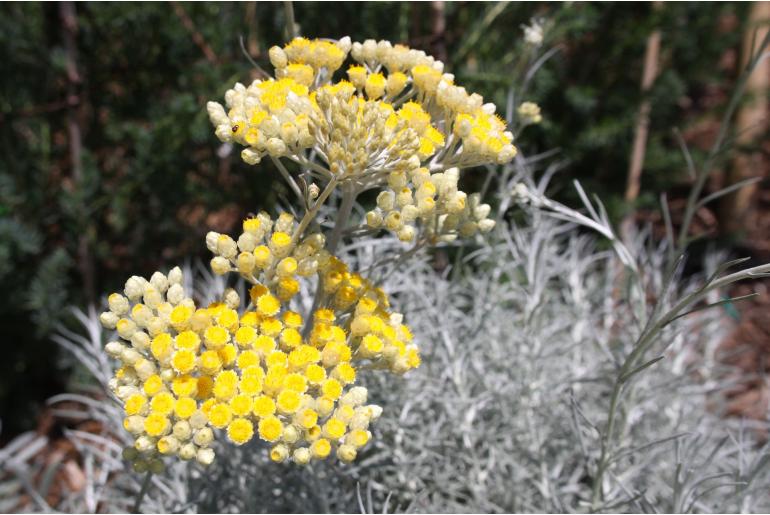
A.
pixel 197 37
pixel 74 79
pixel 438 29
pixel 641 131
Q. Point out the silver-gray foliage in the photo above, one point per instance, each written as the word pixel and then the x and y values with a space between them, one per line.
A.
pixel 523 335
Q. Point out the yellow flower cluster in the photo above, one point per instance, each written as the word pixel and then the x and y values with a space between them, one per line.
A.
pixel 269 117
pixel 479 136
pixel 269 253
pixel 346 297
pixel 390 90
pixel 304 60
pixel 434 200
pixel 189 373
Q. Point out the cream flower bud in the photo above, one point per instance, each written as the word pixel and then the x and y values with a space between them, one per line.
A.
pixel 346 453
pixel 205 456
pixel 168 445
pixel 220 265
pixel 357 51
pixel 211 241
pixel 231 298
pixel 167 375
pixel 134 425
pixel 404 197
pixel 301 456
pixel 285 223
pixel 374 219
pixel 246 263
pixel 250 157
pixel 114 349
pixel 118 304
pixel 134 287
pixel 247 242
pixel 386 200
pixel 360 421
pixel 130 380
pixel 393 221
pixel 226 247
pixel 506 154
pixel 520 192
pixel 156 325
pixel 203 437
pixel 198 420
pixel 290 434
pixel 324 406
pixel 159 282
pixel 144 369
pixel 409 213
pixel 143 444
pixel 481 212
pixel 406 233
pixel 224 133
pixel 175 276
pixel 276 147
pixel 182 430
pixel 129 356
pixel 175 294
pixel 279 453
pixel 187 451
pixel 369 50
pixel 278 57
pixel 217 113
pixel 140 340
pixel 457 203
pixel 486 225
pixel 313 191
pixel 358 395
pixel 125 328
pixel 374 411
pixel 344 44
pixel 307 267
pixel 533 34
pixel 152 297
pixel 141 314
pixel 109 319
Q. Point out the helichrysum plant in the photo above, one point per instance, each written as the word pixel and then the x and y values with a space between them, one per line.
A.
pixel 266 366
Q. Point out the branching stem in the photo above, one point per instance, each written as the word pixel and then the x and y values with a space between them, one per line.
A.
pixel 643 343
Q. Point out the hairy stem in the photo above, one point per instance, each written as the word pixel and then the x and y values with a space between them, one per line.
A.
pixel 142 493
pixel 349 195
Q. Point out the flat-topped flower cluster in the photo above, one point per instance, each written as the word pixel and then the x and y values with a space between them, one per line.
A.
pixel 398 123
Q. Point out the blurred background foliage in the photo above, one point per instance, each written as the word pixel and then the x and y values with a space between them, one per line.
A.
pixel 109 166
